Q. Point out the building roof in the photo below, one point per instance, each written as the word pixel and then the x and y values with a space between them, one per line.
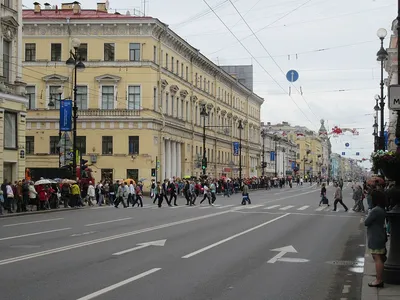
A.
pixel 85 14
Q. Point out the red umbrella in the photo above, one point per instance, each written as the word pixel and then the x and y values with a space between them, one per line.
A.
pixel 375 179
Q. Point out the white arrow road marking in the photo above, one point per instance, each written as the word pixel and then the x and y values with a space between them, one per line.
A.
pixel 33 222
pixel 282 251
pixel 158 243
pixel 233 237
pixel 303 207
pixel 273 206
pixel 107 239
pixel 106 222
pixel 119 284
pixel 31 234
pixel 286 207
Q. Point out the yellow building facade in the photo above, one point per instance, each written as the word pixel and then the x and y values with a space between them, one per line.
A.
pixel 139 97
pixel 12 94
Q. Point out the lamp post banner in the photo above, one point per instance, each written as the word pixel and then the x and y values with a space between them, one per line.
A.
pixel 235 148
pixel 65 115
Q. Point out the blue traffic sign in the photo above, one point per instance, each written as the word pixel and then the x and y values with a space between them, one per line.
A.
pixel 292 75
pixel 358 153
pixel 343 153
pixel 396 141
pixel 347 144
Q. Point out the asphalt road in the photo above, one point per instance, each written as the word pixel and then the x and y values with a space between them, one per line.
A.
pixel 283 246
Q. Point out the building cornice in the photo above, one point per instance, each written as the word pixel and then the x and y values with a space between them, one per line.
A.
pixel 14 98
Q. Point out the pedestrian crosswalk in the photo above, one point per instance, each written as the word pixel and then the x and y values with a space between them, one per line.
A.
pixel 235 207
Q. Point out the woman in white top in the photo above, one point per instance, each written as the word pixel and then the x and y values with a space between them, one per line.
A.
pixel 207 194
pixel 32 196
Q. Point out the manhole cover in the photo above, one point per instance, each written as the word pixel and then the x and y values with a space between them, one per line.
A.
pixel 346 263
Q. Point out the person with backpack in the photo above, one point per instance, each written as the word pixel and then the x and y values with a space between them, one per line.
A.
pixel 139 196
pixel 324 199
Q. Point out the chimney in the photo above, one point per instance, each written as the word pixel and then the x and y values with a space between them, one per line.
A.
pixel 36 7
pixel 76 8
pixel 102 7
pixel 47 6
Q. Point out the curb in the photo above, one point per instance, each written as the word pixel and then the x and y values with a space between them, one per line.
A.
pixel 36 212
pixel 368 293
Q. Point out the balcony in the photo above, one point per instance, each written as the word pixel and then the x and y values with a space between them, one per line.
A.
pixel 109 113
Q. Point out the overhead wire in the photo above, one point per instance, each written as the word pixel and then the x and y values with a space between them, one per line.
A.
pixel 248 51
pixel 263 46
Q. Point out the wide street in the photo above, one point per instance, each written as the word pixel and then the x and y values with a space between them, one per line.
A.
pixel 282 246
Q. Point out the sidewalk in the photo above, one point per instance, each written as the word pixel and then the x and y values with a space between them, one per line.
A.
pixel 389 292
pixel 35 212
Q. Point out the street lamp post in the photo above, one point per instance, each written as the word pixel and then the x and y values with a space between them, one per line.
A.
pixel 75 62
pixel 382 56
pixel 263 164
pixel 240 127
pixel 283 163
pixel 375 126
pixel 204 114
pixel 276 155
pixel 52 104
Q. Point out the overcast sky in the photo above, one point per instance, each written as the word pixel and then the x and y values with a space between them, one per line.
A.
pixel 332 44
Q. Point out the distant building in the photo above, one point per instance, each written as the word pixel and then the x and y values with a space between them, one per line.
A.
pixel 243 74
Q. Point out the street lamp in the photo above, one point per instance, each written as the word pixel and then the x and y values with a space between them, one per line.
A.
pixel 276 154
pixel 240 127
pixel 52 104
pixel 204 114
pixel 382 56
pixel 74 61
pixel 263 164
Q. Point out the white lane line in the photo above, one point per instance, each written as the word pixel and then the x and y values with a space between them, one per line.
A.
pixel 303 207
pixel 253 206
pixel 31 234
pixel 106 239
pixel 105 222
pixel 273 206
pixel 321 208
pixel 32 222
pixel 119 284
pixel 204 207
pixel 234 236
pixel 286 207
pixel 225 206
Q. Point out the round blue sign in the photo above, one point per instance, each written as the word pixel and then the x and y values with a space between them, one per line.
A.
pixel 347 144
pixel 292 75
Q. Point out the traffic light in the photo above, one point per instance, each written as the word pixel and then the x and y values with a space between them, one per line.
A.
pixel 204 163
pixel 263 164
pixel 153 172
pixel 83 164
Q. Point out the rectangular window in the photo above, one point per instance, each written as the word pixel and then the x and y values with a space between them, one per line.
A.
pixel 107 97
pixel 81 97
pixel 30 94
pixel 187 73
pixel 55 52
pixel 132 174
pixel 181 109
pixel 8 3
pixel 133 145
pixel 83 52
pixel 155 54
pixel 30 145
pixel 187 111
pixel 54 145
pixel 107 145
pixel 172 105
pixel 109 51
pixel 134 97
pixel 182 70
pixel 134 51
pixel 6 60
pixel 155 104
pixel 201 82
pixel 54 95
pixel 30 52
pixel 195 80
pixel 81 144
pixel 172 64
pixel 166 103
pixel 177 67
pixel 10 130
pixel 166 61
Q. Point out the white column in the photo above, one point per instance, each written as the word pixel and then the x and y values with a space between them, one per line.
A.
pixel 163 161
pixel 168 159
pixel 173 158
pixel 179 158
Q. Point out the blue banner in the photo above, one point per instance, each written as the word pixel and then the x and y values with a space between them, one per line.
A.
pixel 293 165
pixel 272 156
pixel 65 115
pixel 235 148
pixel 386 135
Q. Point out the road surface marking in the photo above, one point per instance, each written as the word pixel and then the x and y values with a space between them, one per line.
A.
pixel 321 208
pixel 204 207
pixel 293 260
pixel 119 284
pixel 273 206
pixel 286 207
pixel 292 196
pixel 303 207
pixel 158 243
pixel 31 234
pixel 233 237
pixel 225 206
pixel 252 206
pixel 32 222
pixel 106 239
pixel 106 222
pixel 346 289
pixel 83 233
